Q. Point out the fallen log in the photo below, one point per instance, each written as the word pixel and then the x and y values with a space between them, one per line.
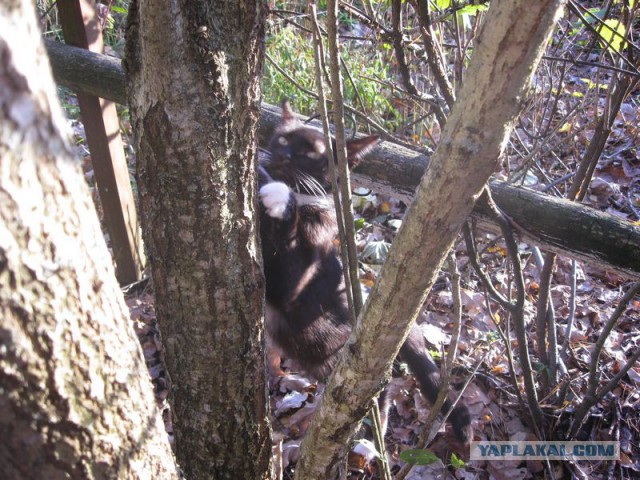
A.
pixel 88 72
pixel 553 224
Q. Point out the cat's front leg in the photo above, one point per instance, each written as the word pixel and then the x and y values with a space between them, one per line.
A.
pixel 277 200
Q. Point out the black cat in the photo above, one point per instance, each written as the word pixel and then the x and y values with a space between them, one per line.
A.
pixel 307 316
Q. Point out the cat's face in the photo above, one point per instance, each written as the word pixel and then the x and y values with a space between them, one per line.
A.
pixel 298 155
pixel 298 158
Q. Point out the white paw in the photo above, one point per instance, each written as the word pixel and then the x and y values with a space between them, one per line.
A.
pixel 275 197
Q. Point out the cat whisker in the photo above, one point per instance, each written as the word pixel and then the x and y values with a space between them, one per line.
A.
pixel 311 184
pixel 313 187
pixel 300 183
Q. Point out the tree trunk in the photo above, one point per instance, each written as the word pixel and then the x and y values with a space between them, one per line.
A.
pixel 194 92
pixel 75 396
pixel 505 57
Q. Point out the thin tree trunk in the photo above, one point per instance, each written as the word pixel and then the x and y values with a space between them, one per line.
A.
pixel 75 396
pixel 474 137
pixel 194 92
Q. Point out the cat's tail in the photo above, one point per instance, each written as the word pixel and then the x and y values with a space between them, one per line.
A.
pixel 415 354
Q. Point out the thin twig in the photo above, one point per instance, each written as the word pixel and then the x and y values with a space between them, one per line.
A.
pixel 506 338
pixel 341 153
pixel 572 310
pixel 319 60
pixel 356 91
pixel 383 132
pixel 593 396
pixel 575 8
pixel 542 305
pixel 342 198
pixel 378 432
pixel 434 58
pixel 364 17
pixel 474 259
pixel 583 63
pixel 398 46
pixel 427 435
pixel 517 309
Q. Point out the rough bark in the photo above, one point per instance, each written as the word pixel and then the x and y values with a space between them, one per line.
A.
pixel 194 93
pixel 506 54
pixel 75 396
pixel 396 170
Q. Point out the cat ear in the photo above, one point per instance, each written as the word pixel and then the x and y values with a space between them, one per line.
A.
pixel 359 147
pixel 287 113
pixel 288 122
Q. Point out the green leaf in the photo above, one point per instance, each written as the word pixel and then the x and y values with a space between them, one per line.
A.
pixel 492 337
pixel 436 354
pixel 595 12
pixel 359 223
pixel 442 4
pixel 456 462
pixel 591 84
pixel 473 9
pixel 118 9
pixel 418 457
pixel 612 34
